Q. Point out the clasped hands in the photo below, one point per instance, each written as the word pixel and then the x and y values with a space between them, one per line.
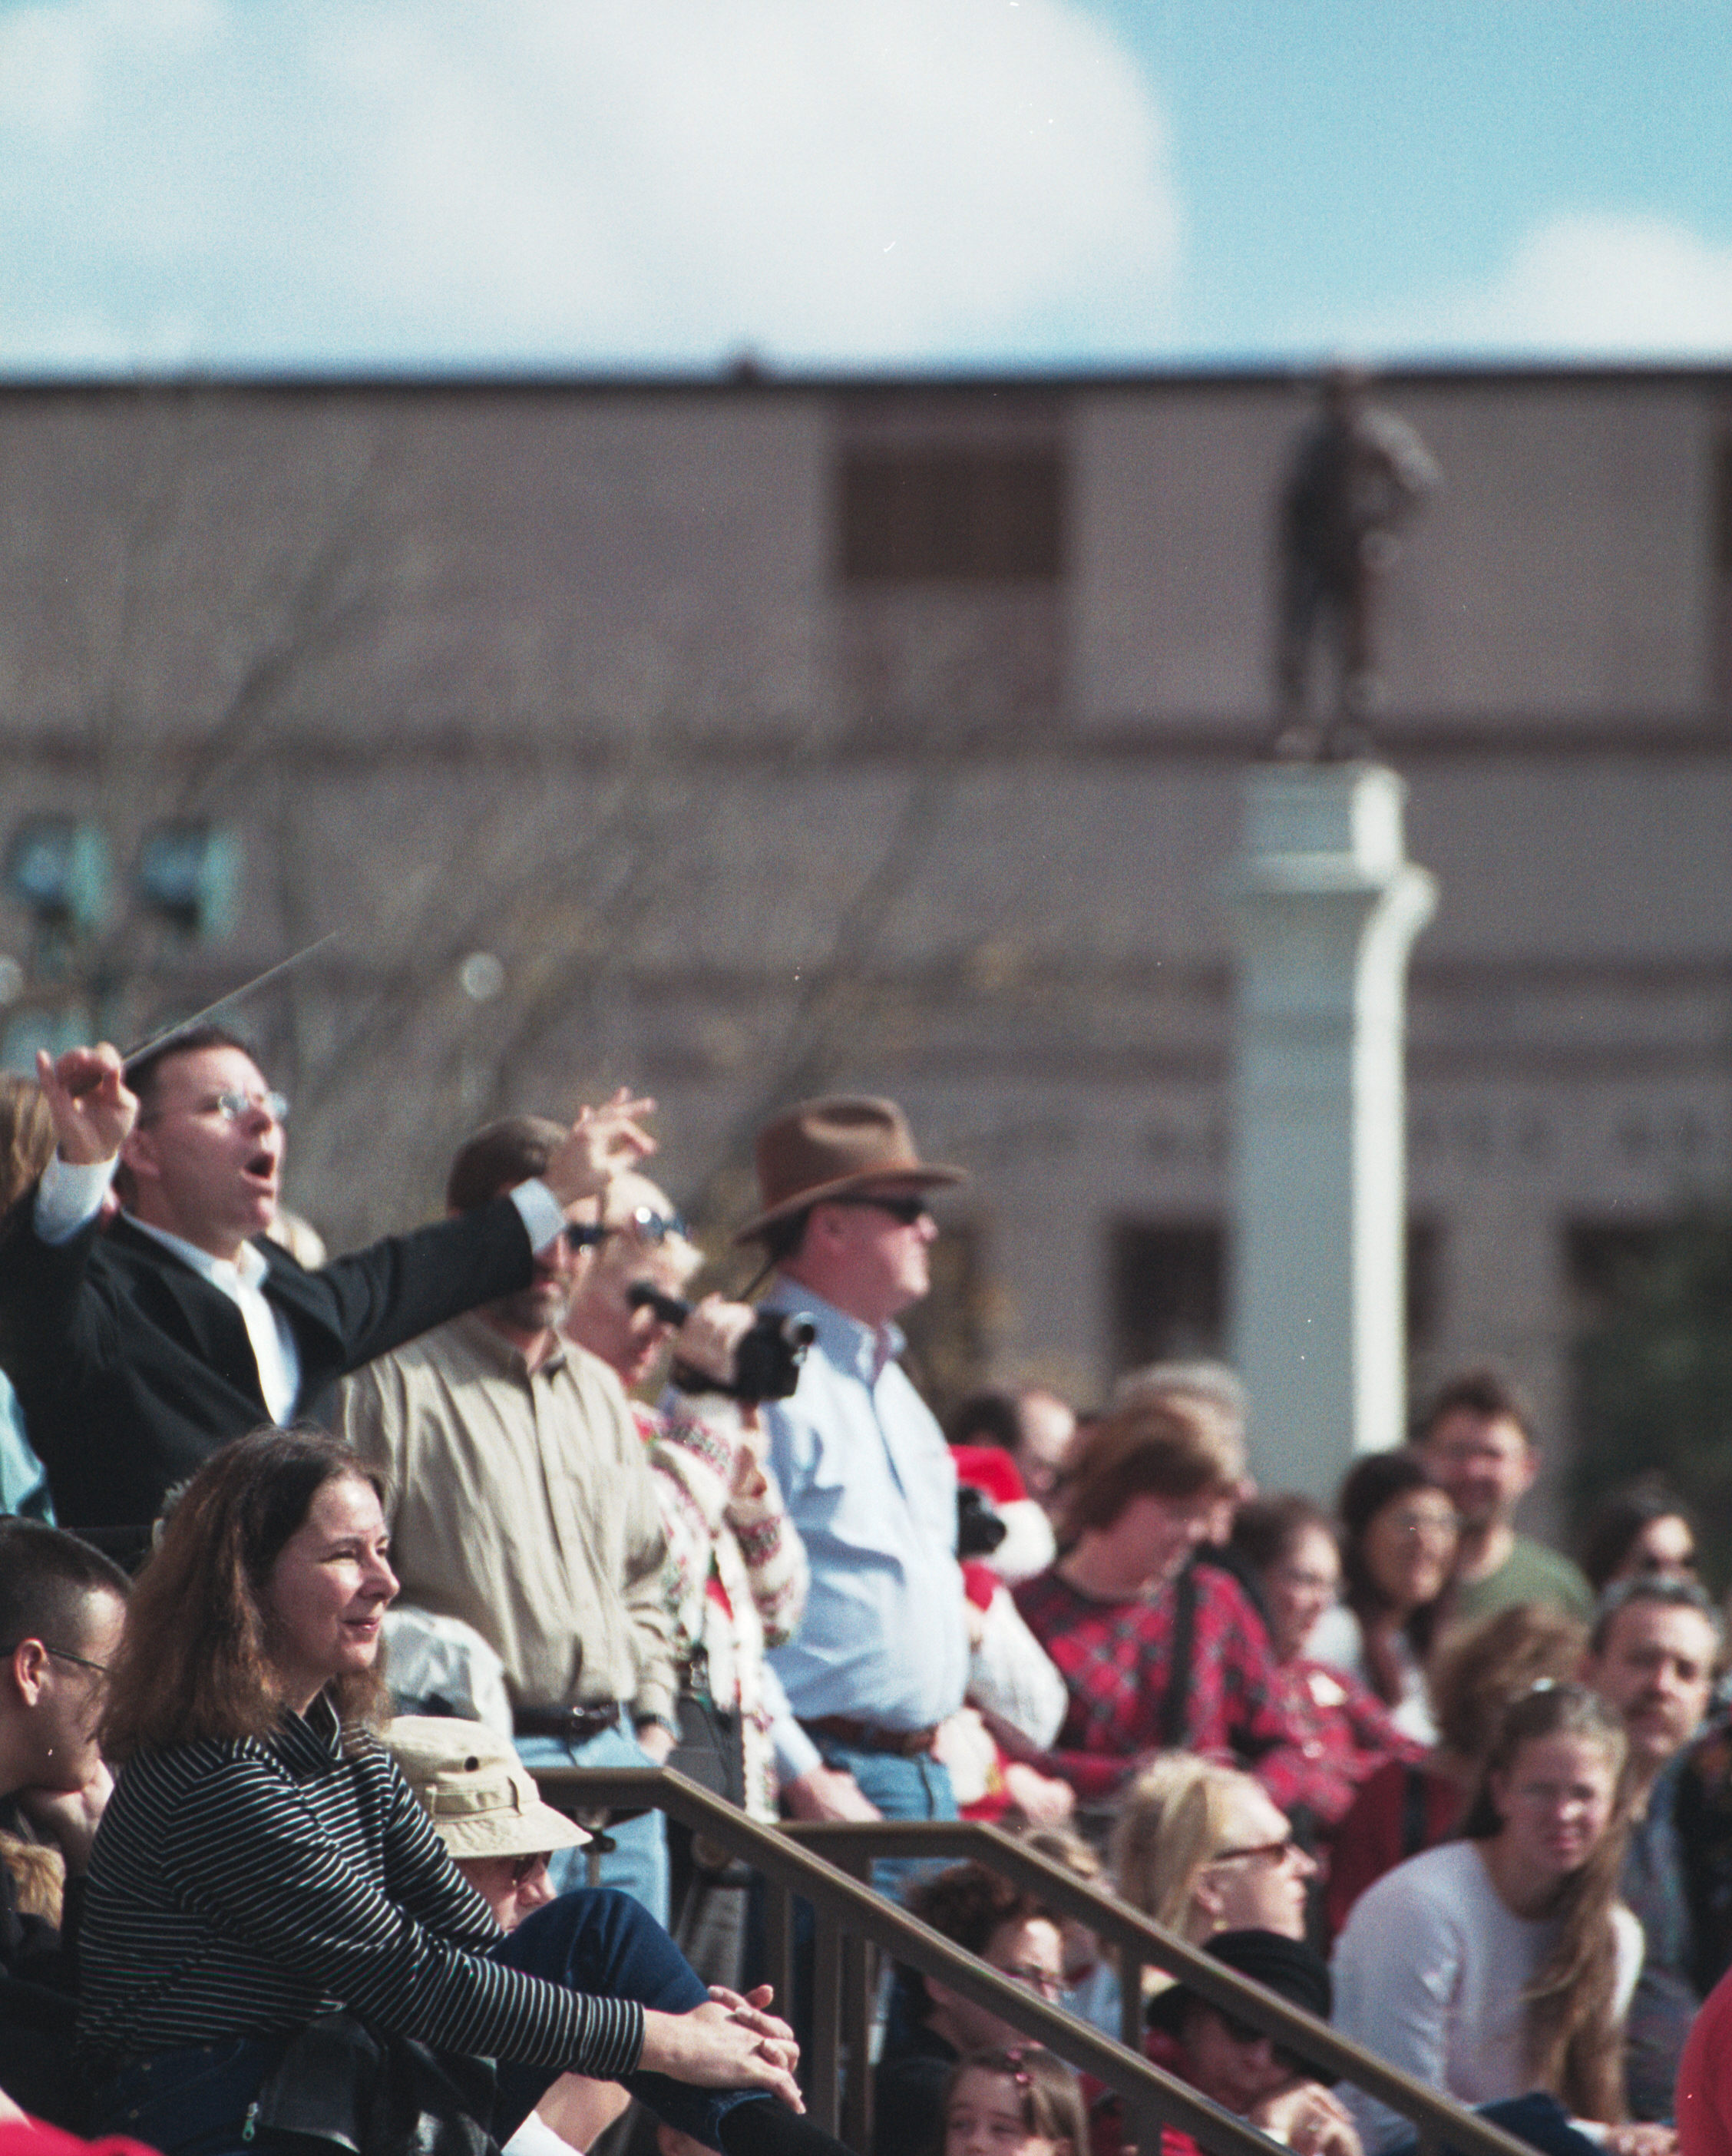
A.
pixel 729 2042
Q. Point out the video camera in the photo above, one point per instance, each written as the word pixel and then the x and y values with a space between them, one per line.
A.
pixel 767 1362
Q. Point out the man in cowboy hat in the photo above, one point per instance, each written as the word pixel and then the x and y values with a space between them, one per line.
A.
pixel 882 1656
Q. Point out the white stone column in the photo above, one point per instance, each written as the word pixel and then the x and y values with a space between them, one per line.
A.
pixel 1326 906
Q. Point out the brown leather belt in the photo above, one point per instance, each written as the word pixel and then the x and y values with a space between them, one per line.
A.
pixel 570 1725
pixel 865 1737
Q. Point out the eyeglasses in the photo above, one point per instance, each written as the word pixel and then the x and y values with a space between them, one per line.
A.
pixel 653 1227
pixel 1042 1980
pixel 907 1210
pixel 584 1235
pixel 232 1105
pixel 1415 1524
pixel 1263 1852
pixel 527 1866
pixel 60 1654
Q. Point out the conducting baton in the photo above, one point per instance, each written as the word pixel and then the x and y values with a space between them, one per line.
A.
pixel 185 1025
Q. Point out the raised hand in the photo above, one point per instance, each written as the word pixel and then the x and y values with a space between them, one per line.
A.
pixel 600 1144
pixel 86 1092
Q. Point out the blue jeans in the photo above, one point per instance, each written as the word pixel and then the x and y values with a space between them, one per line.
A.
pixel 638 1865
pixel 194 2102
pixel 918 1788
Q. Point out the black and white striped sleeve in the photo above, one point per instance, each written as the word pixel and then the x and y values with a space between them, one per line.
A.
pixel 244 1847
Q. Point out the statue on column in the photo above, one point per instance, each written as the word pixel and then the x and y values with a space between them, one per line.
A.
pixel 1358 473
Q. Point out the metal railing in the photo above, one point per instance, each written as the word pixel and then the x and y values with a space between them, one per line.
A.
pixel 827 1865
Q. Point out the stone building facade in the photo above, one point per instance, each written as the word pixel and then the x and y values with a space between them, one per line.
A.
pixel 773 737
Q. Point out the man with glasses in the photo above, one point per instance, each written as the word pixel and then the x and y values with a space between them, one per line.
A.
pixel 135 1354
pixel 882 1654
pixel 523 1506
pixel 61 1609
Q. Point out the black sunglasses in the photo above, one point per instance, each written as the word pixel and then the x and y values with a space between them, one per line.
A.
pixel 907 1210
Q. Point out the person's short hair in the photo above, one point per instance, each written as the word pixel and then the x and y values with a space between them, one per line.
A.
pixel 145 1076
pixel 144 1079
pixel 987 1419
pixel 499 1156
pixel 46 1577
pixel 1482 1391
pixel 1621 1518
pixel 1050 2095
pixel 1063 1845
pixel 27 1137
pixel 1159 1445
pixel 781 1240
pixel 1652 1587
pixel 1199 1379
pixel 969 1906
pixel 1265 1530
pixel 194 1661
pixel 1480 1669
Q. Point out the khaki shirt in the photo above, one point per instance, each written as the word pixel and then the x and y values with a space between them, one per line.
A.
pixel 522 1503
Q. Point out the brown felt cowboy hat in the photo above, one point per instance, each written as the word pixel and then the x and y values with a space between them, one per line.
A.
pixel 825 1148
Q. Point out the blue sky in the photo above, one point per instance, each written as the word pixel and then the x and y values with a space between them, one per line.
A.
pixel 660 185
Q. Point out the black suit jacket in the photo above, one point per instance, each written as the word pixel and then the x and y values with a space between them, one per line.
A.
pixel 131 1369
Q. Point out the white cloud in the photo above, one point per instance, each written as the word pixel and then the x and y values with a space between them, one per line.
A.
pixel 1586 287
pixel 465 181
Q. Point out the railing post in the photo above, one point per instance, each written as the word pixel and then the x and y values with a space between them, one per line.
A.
pixel 779 1941
pixel 825 2095
pixel 859 1983
pixel 1131 1998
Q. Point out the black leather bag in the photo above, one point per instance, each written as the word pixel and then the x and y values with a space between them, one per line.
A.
pixel 710 1751
pixel 342 2087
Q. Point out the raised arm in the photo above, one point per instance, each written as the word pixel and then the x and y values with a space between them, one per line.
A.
pixel 88 1097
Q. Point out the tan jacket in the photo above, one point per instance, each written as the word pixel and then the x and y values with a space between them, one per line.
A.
pixel 521 1502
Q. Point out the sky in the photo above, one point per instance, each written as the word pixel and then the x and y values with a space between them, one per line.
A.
pixel 665 187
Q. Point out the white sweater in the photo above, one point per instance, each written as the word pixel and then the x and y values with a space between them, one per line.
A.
pixel 1338 1639
pixel 1429 1973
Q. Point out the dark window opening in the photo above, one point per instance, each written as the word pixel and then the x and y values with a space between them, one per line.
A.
pixel 924 516
pixel 1169 1290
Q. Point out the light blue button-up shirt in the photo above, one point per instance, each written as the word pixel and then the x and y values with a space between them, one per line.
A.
pixel 871 1486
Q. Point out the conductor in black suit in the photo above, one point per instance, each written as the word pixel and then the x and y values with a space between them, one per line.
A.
pixel 137 1353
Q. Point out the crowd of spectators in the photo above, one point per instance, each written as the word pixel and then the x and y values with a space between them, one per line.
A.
pixel 493 1495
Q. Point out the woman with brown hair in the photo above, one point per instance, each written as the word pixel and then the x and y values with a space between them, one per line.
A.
pixel 1398 1547
pixel 263 1862
pixel 1156 1654
pixel 1476 1676
pixel 1503 1963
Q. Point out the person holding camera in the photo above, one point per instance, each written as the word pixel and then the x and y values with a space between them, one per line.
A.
pixel 736 1575
pixel 881 1657
pixel 523 1506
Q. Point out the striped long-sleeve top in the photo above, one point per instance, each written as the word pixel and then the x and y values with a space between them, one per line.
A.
pixel 242 1888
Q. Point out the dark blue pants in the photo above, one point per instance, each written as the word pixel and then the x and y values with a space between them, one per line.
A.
pixel 194 2102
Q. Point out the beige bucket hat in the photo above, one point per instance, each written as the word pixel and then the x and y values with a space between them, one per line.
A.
pixel 481 1798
